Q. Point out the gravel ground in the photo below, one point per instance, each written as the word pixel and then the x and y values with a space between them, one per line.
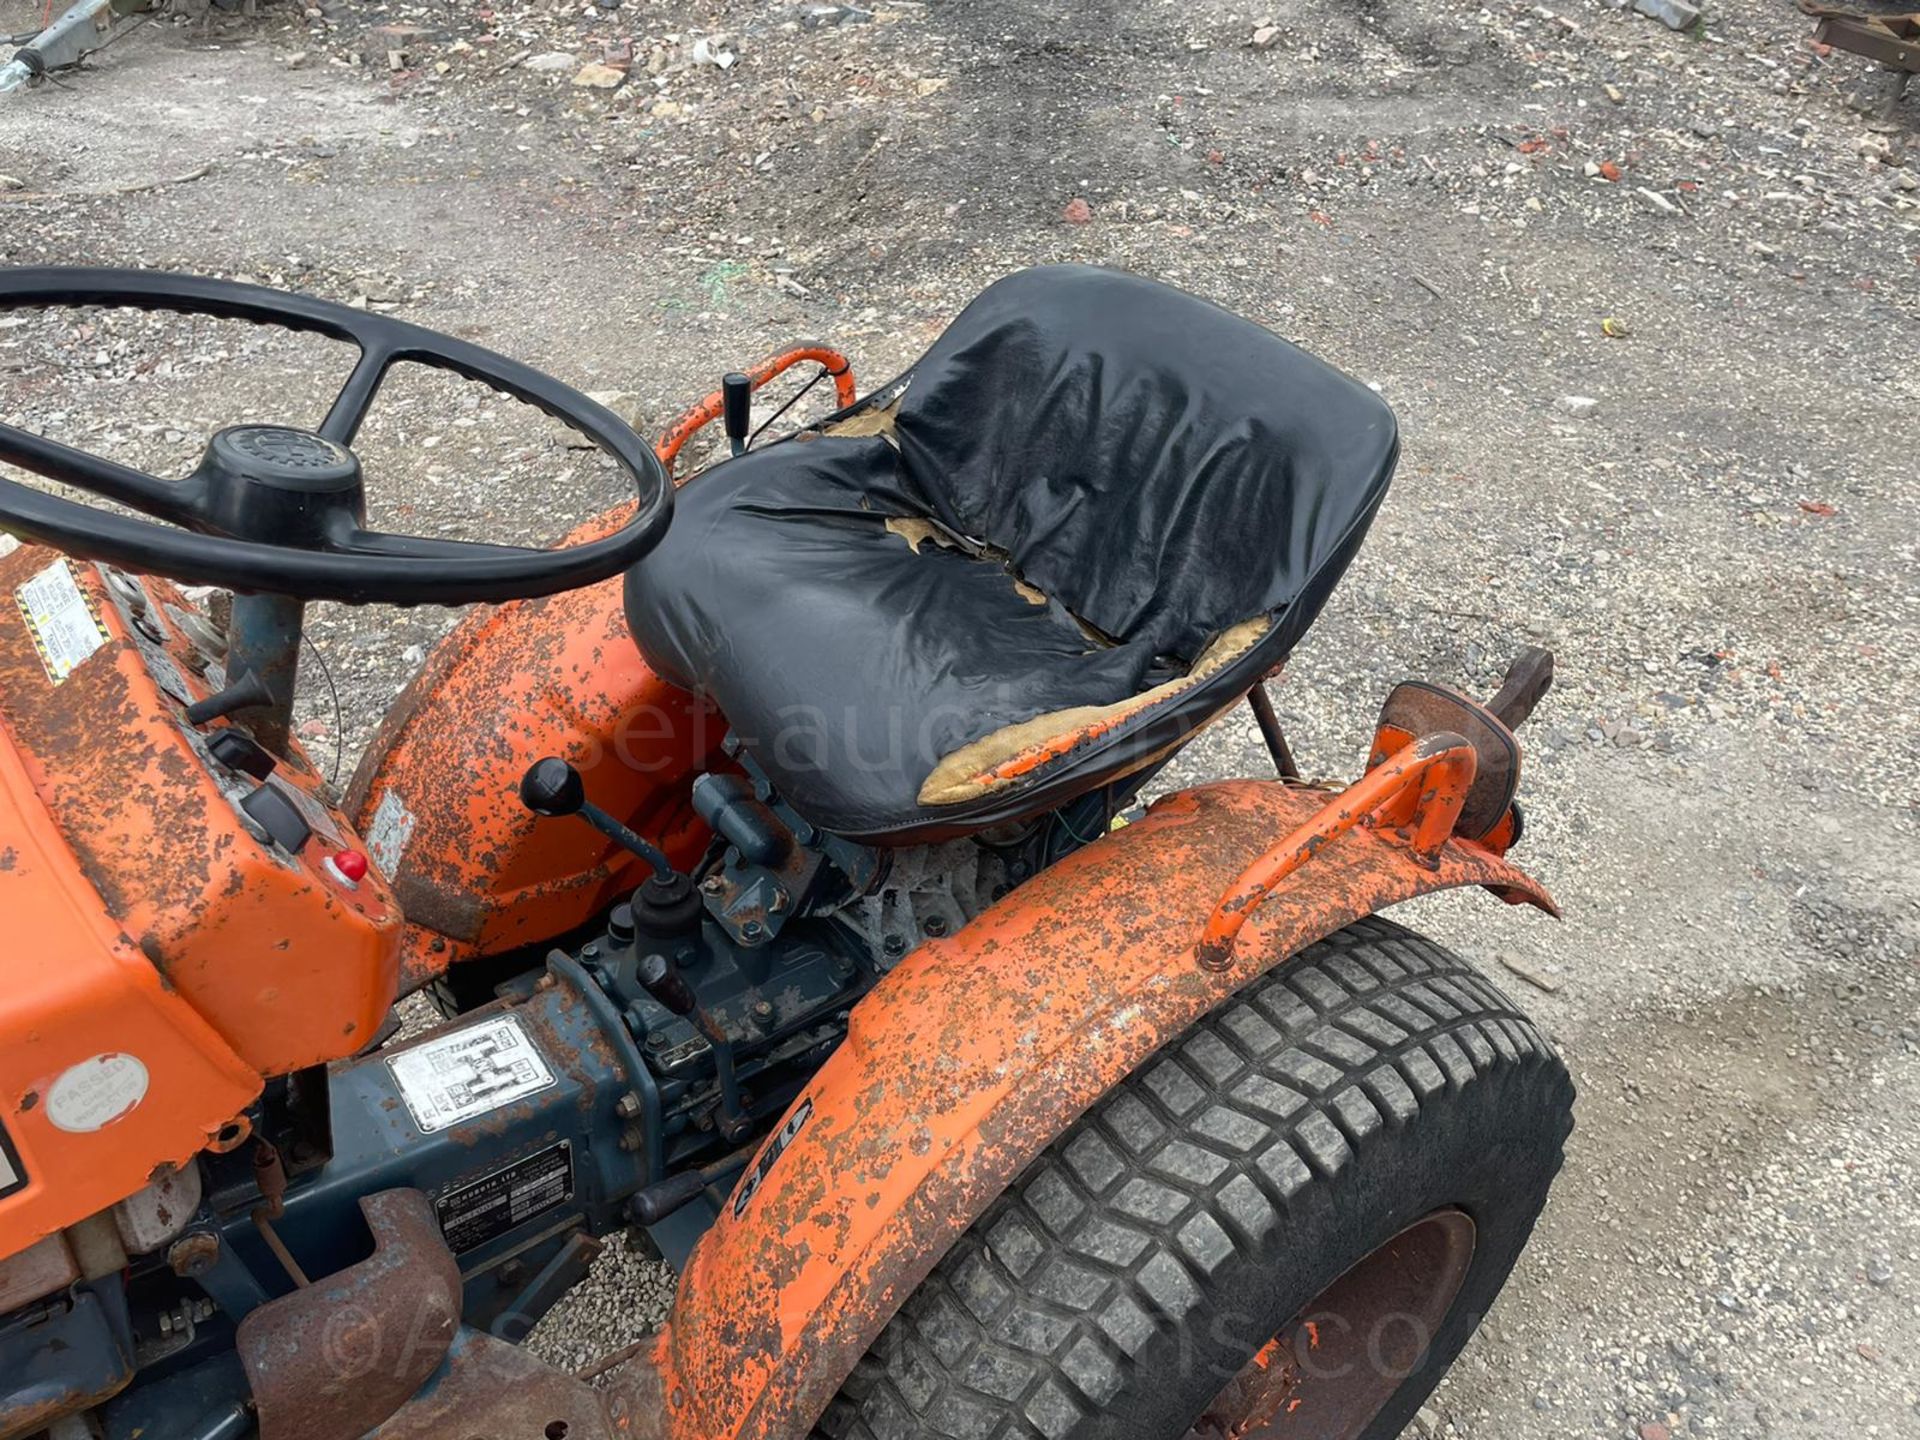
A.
pixel 1644 301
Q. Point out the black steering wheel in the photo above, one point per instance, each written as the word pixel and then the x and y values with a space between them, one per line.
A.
pixel 272 509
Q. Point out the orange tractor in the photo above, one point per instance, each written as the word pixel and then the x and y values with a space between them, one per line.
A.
pixel 772 872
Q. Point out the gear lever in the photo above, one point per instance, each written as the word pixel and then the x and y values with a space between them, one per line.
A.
pixel 662 979
pixel 552 787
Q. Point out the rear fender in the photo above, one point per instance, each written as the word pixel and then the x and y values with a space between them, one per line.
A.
pixel 967 1060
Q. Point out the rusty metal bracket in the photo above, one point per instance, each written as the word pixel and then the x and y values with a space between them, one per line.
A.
pixel 335 1359
pixel 1415 797
pixel 1893 40
pixel 491 1390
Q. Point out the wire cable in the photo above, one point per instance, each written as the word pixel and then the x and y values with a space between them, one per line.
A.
pixel 792 400
pixel 339 739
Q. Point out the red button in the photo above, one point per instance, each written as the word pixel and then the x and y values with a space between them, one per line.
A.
pixel 352 866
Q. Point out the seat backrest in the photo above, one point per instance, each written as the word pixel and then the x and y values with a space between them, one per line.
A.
pixel 1163 468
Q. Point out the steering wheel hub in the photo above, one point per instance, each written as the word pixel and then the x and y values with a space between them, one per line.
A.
pixel 283 455
pixel 280 486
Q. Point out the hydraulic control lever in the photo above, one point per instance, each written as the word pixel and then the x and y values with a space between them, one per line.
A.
pixel 653 1204
pixel 662 979
pixel 736 409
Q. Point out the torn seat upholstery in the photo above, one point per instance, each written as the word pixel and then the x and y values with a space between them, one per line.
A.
pixel 1092 515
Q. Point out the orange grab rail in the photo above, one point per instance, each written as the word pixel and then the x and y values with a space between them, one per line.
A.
pixel 709 409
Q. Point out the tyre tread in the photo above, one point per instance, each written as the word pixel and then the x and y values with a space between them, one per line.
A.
pixel 1024 1329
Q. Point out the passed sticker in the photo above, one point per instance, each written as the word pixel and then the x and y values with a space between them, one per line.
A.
pixel 65 630
pixel 389 833
pixel 469 1072
pixel 93 1094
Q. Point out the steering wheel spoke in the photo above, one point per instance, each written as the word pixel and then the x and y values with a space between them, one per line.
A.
pixel 178 502
pixel 356 397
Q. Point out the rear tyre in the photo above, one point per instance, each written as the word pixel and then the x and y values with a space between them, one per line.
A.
pixel 1288 1222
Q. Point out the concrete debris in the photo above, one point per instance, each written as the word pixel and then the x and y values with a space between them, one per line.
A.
pixel 595 76
pixel 1532 974
pixel 708 52
pixel 1674 14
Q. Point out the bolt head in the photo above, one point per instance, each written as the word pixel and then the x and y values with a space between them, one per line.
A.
pixel 193 1255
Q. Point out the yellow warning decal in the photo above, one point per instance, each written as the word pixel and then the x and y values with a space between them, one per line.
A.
pixel 65 627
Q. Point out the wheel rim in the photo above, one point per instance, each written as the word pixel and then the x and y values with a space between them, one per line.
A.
pixel 1334 1366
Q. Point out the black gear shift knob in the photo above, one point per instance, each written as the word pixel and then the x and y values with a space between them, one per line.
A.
pixel 552 787
pixel 661 979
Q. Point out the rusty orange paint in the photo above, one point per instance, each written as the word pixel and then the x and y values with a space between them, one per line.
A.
pixel 1411 798
pixel 289 966
pixel 78 988
pixel 1390 740
pixel 510 685
pixel 709 409
pixel 1505 833
pixel 971 1056
pixel 77 985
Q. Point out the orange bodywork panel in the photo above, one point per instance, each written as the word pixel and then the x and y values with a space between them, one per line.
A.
pixel 967 1060
pixel 291 966
pixel 151 1080
pixel 153 939
pixel 438 792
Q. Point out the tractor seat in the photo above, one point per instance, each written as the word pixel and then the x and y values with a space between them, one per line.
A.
pixel 1081 527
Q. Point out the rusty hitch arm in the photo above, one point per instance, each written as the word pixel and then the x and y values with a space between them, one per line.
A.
pixel 1529 678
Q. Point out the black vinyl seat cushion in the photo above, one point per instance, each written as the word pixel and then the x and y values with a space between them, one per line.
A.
pixel 1093 514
